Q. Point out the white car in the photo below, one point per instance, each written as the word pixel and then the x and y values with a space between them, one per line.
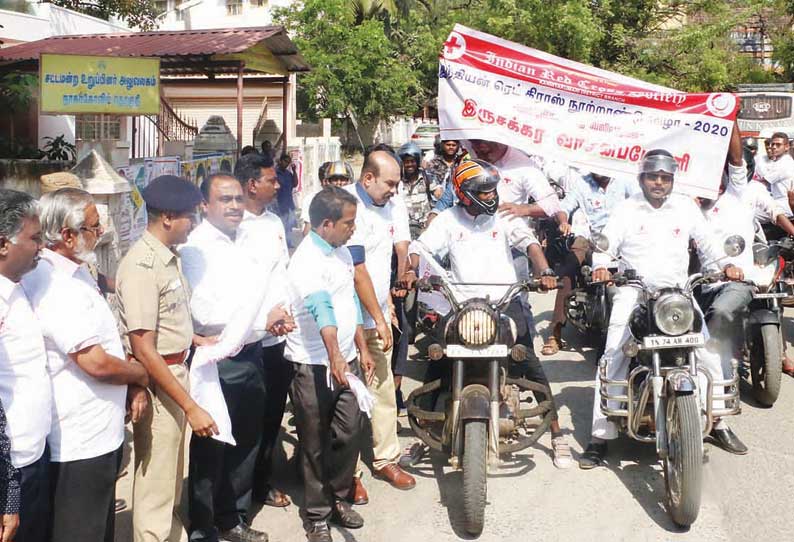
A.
pixel 425 136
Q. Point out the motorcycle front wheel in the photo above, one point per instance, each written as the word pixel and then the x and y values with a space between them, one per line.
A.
pixel 766 364
pixel 475 488
pixel 684 463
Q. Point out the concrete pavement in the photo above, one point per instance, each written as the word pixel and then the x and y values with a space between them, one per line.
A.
pixel 745 498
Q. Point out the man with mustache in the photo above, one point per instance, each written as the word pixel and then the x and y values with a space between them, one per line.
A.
pixel 88 367
pixel 381 226
pixel 224 276
pixel 157 331
pixel 25 389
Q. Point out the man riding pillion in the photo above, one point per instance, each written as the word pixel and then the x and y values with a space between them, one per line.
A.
pixel 650 233
pixel 594 196
pixel 479 247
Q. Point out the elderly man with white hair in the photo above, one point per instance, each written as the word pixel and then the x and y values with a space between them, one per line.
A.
pixel 88 368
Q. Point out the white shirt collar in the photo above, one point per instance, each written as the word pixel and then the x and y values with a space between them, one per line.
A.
pixel 248 215
pixel 6 287
pixel 61 263
pixel 207 232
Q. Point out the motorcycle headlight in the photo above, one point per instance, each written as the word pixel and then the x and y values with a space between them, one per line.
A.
pixel 674 314
pixel 476 326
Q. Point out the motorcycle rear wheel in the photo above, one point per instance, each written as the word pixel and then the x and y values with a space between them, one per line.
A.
pixel 684 463
pixel 766 364
pixel 475 487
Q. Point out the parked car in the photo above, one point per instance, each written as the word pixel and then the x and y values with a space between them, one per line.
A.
pixel 425 136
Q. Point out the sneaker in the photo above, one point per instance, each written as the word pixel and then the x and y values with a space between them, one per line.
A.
pixel 562 452
pixel 413 454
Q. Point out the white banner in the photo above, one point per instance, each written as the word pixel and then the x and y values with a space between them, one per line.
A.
pixel 493 89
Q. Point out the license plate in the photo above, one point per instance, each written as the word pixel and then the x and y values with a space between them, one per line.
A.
pixel 492 351
pixel 692 339
pixel 771 295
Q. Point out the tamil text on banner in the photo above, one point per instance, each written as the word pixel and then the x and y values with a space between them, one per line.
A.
pixel 493 89
pixel 74 84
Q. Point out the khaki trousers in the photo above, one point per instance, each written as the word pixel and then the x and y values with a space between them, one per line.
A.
pixel 159 441
pixel 386 447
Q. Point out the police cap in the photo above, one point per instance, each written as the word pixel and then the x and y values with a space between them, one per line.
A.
pixel 171 193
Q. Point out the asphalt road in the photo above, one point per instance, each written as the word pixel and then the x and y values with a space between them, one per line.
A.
pixel 745 498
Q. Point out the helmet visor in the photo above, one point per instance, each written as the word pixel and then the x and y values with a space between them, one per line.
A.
pixel 659 163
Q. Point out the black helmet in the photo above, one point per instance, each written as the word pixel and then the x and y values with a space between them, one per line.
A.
pixel 472 177
pixel 412 150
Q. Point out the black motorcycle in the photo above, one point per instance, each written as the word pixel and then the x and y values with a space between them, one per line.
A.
pixel 763 340
pixel 659 401
pixel 476 411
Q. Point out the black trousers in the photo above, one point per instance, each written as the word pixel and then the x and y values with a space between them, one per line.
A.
pixel 399 353
pixel 330 426
pixel 83 495
pixel 34 514
pixel 221 476
pixel 278 377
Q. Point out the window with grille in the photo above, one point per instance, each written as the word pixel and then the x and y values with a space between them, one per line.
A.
pixel 234 7
pixel 96 127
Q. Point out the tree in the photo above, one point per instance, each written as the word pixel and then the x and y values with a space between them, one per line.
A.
pixel 356 69
pixel 140 14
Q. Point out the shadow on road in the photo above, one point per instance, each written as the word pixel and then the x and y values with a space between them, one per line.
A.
pixel 450 483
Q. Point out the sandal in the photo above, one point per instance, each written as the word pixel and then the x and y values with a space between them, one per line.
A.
pixel 276 498
pixel 788 368
pixel 551 347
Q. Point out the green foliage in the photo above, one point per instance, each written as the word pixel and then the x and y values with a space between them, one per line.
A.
pixel 380 57
pixel 140 14
pixel 356 68
pixel 59 149
pixel 17 91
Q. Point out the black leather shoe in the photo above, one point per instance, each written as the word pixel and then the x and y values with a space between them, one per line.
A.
pixel 318 532
pixel 243 533
pixel 344 515
pixel 728 441
pixel 593 456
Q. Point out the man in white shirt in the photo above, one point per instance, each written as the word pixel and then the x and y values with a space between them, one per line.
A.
pixel 480 245
pixel 328 387
pixel 224 275
pixel 88 368
pixel 776 169
pixel 734 212
pixel 25 389
pixel 265 239
pixel 650 232
pixel 381 226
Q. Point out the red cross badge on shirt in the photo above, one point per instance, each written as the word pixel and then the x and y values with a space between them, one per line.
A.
pixel 494 234
pixel 507 180
pixel 391 230
pixel 677 232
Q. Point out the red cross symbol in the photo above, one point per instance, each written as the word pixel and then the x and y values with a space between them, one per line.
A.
pixel 677 232
pixel 494 234
pixel 451 45
pixel 391 230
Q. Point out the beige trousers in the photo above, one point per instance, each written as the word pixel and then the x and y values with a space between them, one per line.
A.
pixel 159 440
pixel 386 447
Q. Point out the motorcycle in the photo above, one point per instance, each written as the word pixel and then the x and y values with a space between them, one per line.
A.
pixel 658 402
pixel 763 340
pixel 480 412
pixel 589 305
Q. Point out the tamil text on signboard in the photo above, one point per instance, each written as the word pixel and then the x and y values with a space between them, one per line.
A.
pixel 73 84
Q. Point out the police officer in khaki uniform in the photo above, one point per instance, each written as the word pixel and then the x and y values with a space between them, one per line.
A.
pixel 158 332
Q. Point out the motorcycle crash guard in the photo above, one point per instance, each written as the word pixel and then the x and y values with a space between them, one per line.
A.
pixel 763 317
pixel 475 403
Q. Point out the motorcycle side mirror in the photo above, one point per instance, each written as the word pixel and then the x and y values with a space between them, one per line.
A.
pixel 599 242
pixel 734 245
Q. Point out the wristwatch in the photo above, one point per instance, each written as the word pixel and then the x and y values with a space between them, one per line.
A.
pixel 548 272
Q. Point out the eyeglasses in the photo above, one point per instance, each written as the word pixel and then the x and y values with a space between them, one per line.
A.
pixel 96 230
